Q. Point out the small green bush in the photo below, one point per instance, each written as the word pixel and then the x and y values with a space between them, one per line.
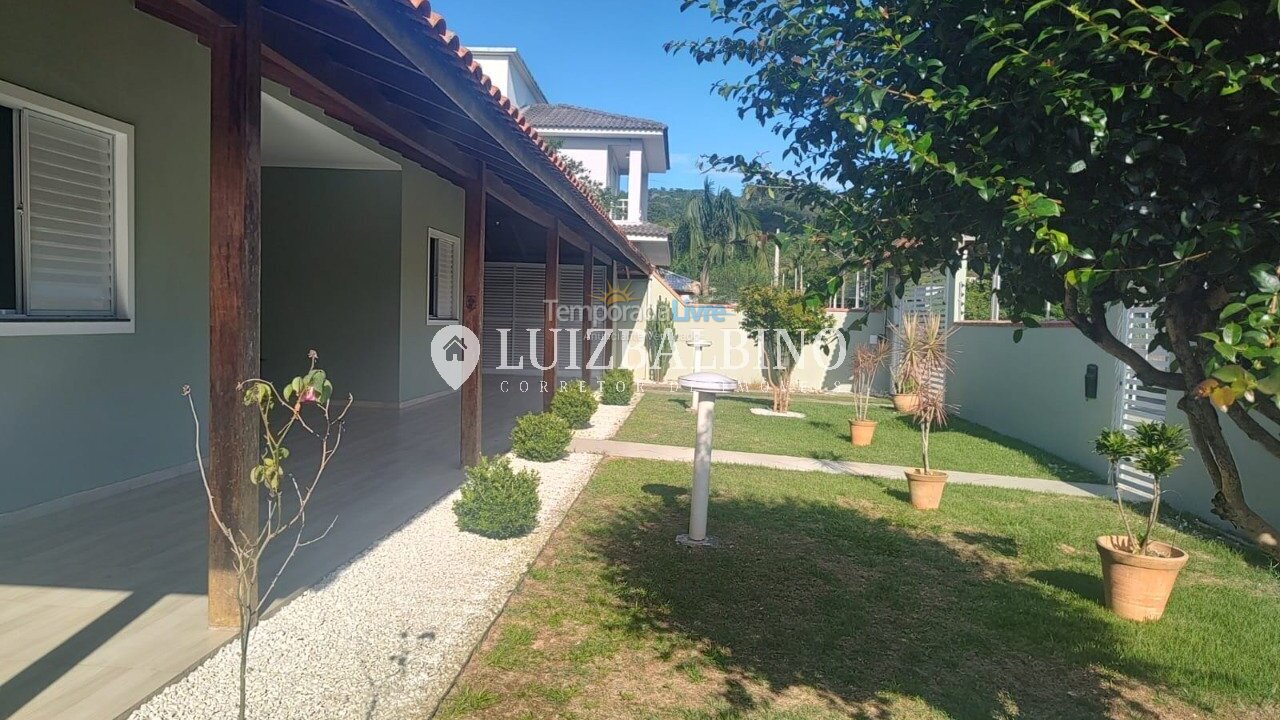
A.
pixel 497 501
pixel 541 436
pixel 617 387
pixel 575 403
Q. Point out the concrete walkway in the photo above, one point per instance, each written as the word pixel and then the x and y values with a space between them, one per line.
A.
pixel 645 451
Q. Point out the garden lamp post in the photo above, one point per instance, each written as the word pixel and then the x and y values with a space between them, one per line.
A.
pixel 697 342
pixel 705 387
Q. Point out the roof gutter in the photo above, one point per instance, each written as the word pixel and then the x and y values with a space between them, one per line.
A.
pixel 411 29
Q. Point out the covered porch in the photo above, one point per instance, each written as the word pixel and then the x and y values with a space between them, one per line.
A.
pixel 101 605
pixel 110 596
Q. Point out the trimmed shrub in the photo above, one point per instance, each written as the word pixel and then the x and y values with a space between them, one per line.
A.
pixel 617 387
pixel 541 436
pixel 575 403
pixel 497 501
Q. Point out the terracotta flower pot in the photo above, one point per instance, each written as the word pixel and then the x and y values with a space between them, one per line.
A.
pixel 1136 587
pixel 905 402
pixel 860 432
pixel 926 488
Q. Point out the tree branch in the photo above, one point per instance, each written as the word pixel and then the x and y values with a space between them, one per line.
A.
pixel 1094 326
pixel 1254 429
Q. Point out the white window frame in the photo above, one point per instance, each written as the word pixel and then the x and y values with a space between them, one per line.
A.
pixel 20 98
pixel 432 235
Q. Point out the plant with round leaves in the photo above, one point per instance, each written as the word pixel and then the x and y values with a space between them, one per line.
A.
pixel 617 386
pixel 542 437
pixel 575 403
pixel 497 501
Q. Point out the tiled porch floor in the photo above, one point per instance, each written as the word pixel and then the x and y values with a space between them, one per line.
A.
pixel 101 605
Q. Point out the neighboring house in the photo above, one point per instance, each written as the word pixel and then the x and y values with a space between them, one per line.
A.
pixel 618 151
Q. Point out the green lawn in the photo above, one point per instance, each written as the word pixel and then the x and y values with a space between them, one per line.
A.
pixel 662 418
pixel 832 598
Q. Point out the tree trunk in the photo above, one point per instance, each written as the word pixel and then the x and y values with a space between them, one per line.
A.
pixel 1187 312
pixel 1206 432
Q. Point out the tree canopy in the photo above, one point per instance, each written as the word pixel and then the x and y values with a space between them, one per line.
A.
pixel 1100 152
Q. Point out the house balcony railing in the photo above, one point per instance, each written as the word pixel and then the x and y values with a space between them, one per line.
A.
pixel 618 211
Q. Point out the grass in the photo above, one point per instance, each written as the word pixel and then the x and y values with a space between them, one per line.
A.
pixel 832 598
pixel 823 433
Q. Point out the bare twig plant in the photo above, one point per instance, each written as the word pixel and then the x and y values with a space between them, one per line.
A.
pixel 867 360
pixel 272 478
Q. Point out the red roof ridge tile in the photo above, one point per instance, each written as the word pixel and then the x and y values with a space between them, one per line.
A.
pixel 439 27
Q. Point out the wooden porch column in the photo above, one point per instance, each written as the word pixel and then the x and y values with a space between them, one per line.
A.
pixel 234 278
pixel 588 273
pixel 472 311
pixel 609 323
pixel 551 302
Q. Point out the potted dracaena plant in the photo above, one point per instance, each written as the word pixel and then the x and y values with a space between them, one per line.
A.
pixel 924 349
pixel 1138 573
pixel 925 484
pixel 867 360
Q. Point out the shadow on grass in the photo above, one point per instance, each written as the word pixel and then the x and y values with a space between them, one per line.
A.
pixel 1086 586
pixel 821 596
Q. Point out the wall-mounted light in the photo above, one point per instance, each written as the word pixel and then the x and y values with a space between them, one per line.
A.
pixel 1091 382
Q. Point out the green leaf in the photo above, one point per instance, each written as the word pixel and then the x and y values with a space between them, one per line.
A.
pixel 1231 333
pixel 1037 8
pixel 1077 166
pixel 1265 278
pixel 996 66
pixel 1230 310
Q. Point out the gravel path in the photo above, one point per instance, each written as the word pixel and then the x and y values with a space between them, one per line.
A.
pixel 384 636
pixel 607 420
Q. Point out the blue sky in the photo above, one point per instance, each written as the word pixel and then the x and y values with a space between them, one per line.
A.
pixel 607 54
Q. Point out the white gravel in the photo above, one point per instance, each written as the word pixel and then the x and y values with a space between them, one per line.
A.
pixel 607 420
pixel 384 636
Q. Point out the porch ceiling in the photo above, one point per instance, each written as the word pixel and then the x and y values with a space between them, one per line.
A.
pixel 391 70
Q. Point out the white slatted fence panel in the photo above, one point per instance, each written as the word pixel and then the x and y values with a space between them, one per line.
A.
pixel 1135 402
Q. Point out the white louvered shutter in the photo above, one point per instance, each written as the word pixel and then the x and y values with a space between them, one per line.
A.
pixel 445 280
pixel 498 309
pixel 70 216
pixel 528 288
pixel 570 295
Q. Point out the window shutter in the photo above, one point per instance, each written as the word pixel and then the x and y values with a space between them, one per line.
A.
pixel 70 238
pixel 445 280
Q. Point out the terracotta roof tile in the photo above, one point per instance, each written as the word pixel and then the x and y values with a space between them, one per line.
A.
pixel 439 30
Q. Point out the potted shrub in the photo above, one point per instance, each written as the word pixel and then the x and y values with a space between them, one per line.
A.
pixel 867 360
pixel 1138 573
pixel 924 483
pixel 912 342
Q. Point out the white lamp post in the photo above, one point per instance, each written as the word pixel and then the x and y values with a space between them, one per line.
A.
pixel 696 342
pixel 705 387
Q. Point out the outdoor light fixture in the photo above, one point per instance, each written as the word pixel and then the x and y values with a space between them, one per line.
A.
pixel 705 387
pixel 697 342
pixel 1091 382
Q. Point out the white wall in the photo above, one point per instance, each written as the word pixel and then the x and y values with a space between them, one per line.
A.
pixel 730 345
pixel 1034 391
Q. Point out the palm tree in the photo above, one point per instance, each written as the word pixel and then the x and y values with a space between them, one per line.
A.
pixel 719 229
